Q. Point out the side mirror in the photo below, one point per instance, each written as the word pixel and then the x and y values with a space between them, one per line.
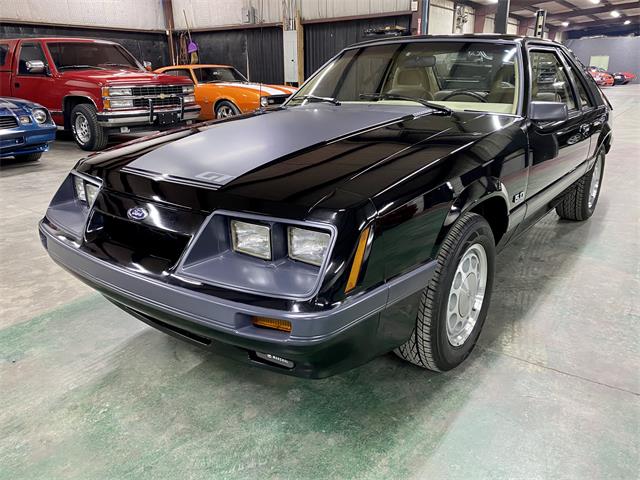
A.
pixel 147 66
pixel 35 66
pixel 548 111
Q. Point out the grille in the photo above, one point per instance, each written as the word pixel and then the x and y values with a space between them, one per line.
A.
pixel 7 121
pixel 157 102
pixel 153 90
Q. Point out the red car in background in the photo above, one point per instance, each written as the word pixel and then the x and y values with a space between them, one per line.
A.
pixel 601 76
pixel 622 78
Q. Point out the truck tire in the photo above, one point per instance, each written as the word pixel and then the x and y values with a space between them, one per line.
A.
pixel 225 109
pixel 580 201
pixel 29 157
pixel 454 304
pixel 86 131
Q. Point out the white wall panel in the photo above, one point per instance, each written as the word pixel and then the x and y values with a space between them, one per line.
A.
pixel 217 13
pixel 468 27
pixel 127 14
pixel 317 9
pixel 440 20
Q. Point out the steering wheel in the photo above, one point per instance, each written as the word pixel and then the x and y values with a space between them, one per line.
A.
pixel 462 91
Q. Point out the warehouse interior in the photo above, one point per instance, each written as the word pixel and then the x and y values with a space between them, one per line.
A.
pixel 551 390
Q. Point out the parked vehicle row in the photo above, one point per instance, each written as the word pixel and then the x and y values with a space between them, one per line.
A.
pixel 95 88
pixel 604 78
pixel 360 217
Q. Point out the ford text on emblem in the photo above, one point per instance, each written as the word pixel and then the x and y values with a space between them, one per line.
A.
pixel 137 213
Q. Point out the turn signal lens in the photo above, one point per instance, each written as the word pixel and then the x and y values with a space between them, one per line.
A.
pixel 354 275
pixel 282 325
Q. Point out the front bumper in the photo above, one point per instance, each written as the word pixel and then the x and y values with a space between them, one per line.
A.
pixel 152 118
pixel 19 141
pixel 334 339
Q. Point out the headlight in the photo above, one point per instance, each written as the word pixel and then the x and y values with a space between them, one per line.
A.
pixel 189 99
pixel 116 91
pixel 86 192
pixel 120 103
pixel 39 115
pixel 251 238
pixel 24 119
pixel 264 102
pixel 308 246
pixel 188 89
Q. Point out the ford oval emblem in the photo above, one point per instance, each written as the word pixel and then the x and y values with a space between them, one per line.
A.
pixel 137 213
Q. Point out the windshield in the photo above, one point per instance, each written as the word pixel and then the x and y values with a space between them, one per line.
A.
pixel 459 75
pixel 79 55
pixel 218 74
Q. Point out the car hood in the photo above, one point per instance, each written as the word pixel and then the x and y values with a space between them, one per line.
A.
pixel 123 77
pixel 296 156
pixel 16 106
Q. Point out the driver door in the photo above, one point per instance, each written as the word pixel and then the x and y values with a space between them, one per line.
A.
pixel 556 149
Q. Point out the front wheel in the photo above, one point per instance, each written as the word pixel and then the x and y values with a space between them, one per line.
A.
pixel 454 304
pixel 87 133
pixel 226 109
pixel 580 202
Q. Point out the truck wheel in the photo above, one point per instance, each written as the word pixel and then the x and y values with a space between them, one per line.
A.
pixel 454 304
pixel 29 157
pixel 86 131
pixel 226 109
pixel 579 203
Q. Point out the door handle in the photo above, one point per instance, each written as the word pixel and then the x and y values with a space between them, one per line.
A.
pixel 584 129
pixel 16 85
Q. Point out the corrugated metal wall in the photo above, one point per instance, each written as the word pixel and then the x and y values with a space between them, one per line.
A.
pixel 152 47
pixel 256 52
pixel 323 40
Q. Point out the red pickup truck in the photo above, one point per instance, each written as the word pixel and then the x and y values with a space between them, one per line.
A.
pixel 94 87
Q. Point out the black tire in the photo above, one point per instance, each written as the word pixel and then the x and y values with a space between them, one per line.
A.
pixel 29 157
pixel 577 204
pixel 226 109
pixel 429 345
pixel 94 138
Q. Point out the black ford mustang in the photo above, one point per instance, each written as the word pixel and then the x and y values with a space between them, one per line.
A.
pixel 362 216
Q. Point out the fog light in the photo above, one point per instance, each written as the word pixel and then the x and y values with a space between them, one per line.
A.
pixel 275 324
pixel 24 120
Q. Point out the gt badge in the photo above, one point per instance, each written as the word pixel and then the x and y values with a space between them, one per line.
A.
pixel 518 197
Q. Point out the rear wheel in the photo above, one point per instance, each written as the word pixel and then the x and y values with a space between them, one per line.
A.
pixel 580 202
pixel 454 304
pixel 29 157
pixel 86 131
pixel 226 109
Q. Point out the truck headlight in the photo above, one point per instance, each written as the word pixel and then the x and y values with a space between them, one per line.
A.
pixel 39 115
pixel 308 246
pixel 189 99
pixel 120 103
pixel 251 238
pixel 116 91
pixel 188 89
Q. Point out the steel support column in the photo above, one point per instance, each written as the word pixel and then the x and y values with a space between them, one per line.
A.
pixel 420 17
pixel 502 16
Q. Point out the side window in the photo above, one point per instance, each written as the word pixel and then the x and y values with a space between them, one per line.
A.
pixel 549 80
pixel 29 52
pixel 178 72
pixel 4 50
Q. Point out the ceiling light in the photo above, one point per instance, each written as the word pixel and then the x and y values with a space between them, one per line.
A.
pixel 627 22
pixel 565 24
pixel 615 13
pixel 596 2
pixel 492 1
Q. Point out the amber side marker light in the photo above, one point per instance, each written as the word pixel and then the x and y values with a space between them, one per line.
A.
pixel 282 325
pixel 357 261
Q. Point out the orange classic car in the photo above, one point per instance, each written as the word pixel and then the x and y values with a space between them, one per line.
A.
pixel 222 91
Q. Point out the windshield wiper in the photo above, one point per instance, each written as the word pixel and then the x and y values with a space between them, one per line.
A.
pixel 315 98
pixel 80 66
pixel 422 101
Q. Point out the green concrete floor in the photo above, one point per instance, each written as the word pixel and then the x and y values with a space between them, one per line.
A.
pixel 552 391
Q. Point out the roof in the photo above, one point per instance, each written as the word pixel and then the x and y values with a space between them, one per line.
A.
pixel 466 36
pixel 196 65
